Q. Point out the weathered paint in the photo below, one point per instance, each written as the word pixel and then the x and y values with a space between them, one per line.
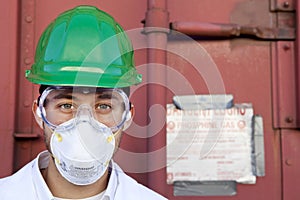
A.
pixel 255 71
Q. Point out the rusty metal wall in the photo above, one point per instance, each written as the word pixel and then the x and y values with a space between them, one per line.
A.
pixel 263 71
pixel 245 66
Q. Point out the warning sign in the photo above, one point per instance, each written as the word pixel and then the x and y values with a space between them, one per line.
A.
pixel 215 144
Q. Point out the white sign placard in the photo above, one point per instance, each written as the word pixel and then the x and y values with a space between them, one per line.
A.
pixel 204 145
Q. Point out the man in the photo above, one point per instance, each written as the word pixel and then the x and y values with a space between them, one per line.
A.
pixel 84 66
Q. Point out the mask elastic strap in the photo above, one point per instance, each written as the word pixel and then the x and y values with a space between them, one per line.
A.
pixel 110 138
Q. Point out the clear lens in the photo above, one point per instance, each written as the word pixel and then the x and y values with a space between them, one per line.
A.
pixel 61 104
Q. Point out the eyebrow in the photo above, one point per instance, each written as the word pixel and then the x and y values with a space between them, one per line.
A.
pixel 64 96
pixel 70 96
pixel 107 96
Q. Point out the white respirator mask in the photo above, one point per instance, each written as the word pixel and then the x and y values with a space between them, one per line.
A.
pixel 82 147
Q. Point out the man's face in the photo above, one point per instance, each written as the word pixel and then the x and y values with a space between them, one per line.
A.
pixel 62 105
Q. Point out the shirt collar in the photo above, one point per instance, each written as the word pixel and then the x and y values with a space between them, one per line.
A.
pixel 112 183
pixel 43 191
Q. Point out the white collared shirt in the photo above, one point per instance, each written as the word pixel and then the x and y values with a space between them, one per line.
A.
pixel 28 184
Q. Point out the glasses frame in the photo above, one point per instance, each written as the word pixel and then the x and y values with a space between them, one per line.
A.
pixel 89 90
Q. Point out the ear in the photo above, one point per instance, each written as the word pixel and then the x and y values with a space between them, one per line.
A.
pixel 129 118
pixel 37 114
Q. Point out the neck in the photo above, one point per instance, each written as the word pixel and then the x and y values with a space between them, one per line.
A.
pixel 60 187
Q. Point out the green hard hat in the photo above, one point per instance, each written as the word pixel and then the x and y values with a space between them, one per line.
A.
pixel 84 46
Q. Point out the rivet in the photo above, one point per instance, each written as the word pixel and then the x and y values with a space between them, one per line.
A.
pixel 28 19
pixel 289 119
pixel 27 61
pixel 26 103
pixel 286 47
pixel 289 162
pixel 286 4
pixel 24 145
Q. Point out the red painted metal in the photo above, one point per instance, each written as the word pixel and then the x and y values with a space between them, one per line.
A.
pixel 24 121
pixel 232 30
pixel 290 164
pixel 245 66
pixel 206 29
pixel 284 85
pixel 249 80
pixel 283 5
pixel 297 56
pixel 8 63
pixel 27 38
pixel 155 29
pixel 260 72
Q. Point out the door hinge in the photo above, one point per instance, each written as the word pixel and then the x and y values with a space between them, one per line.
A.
pixel 233 30
pixel 281 26
pixel 282 5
